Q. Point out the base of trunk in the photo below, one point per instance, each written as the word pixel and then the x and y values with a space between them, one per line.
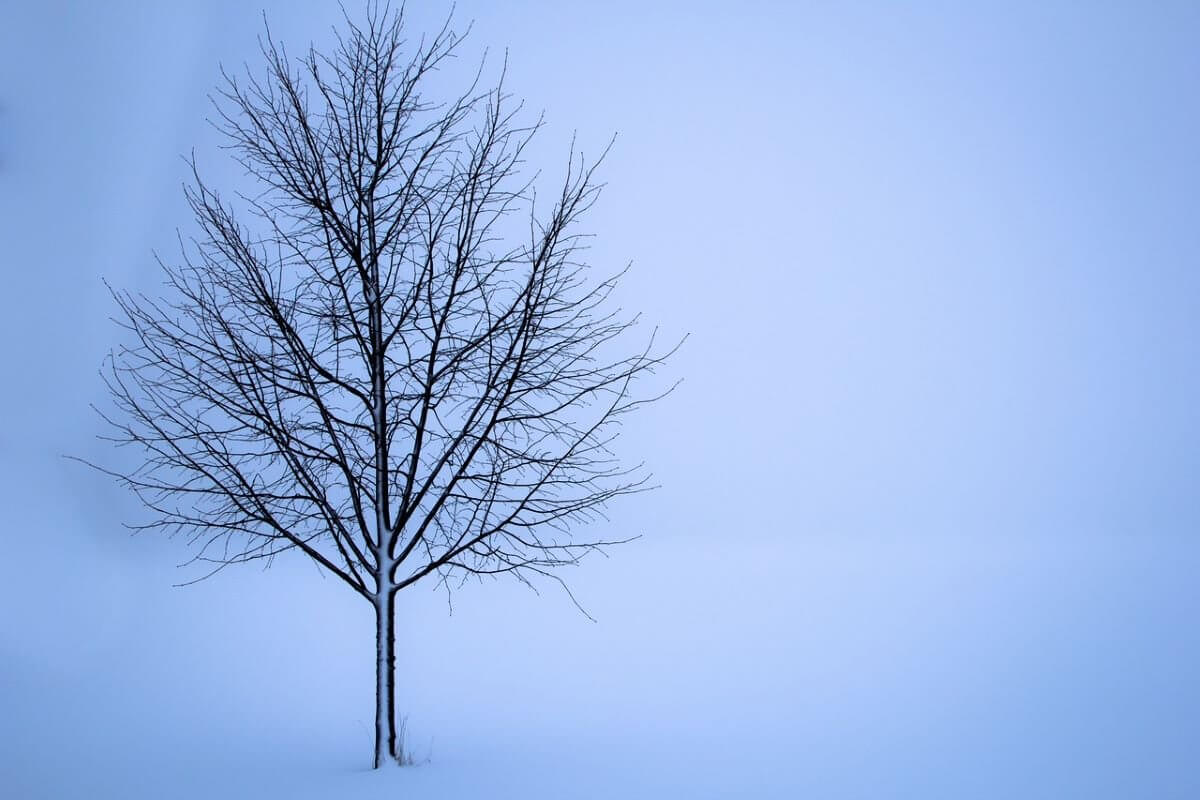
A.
pixel 386 750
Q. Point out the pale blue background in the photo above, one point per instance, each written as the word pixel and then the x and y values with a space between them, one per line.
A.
pixel 929 519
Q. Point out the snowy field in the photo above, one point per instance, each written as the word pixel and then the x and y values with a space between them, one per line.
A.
pixel 859 669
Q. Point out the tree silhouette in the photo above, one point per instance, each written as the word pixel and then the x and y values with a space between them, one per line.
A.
pixel 390 357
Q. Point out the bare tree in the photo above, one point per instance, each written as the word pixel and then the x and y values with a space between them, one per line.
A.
pixel 390 358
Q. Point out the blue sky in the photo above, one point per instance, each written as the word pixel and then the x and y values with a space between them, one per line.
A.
pixel 929 508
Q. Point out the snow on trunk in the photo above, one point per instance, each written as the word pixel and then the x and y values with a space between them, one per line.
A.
pixel 385 679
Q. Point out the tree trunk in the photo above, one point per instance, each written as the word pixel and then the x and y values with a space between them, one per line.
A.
pixel 385 679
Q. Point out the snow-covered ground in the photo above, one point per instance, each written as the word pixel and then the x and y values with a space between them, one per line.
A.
pixel 853 668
